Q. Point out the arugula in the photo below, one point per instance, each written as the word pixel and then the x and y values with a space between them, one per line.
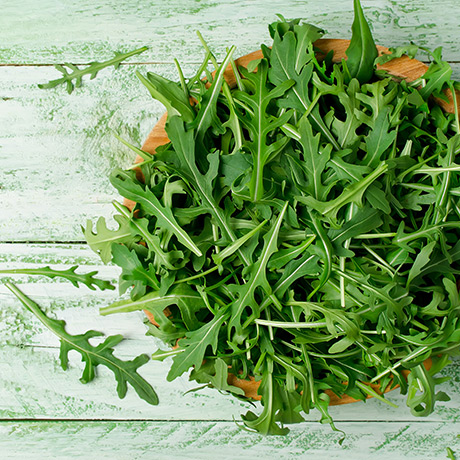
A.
pixel 362 51
pixel 77 279
pixel 92 69
pixel 300 231
pixel 125 371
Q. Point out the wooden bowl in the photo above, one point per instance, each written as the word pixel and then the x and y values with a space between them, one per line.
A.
pixel 403 68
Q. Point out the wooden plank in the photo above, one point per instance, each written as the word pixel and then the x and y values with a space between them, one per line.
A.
pixel 32 384
pixel 77 31
pixel 56 150
pixel 217 440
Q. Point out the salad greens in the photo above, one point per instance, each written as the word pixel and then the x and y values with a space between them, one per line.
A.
pixel 301 229
pixel 125 371
pixel 91 69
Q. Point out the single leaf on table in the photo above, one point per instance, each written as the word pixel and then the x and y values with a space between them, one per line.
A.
pixel 92 69
pixel 101 241
pixel 87 279
pixel 362 51
pixel 195 345
pixel 125 371
pixel 130 188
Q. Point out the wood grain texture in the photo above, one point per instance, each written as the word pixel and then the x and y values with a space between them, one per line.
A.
pixel 54 148
pixel 53 31
pixel 202 440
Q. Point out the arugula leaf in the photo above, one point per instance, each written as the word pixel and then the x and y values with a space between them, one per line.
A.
pixel 101 241
pixel 92 69
pixel 257 277
pixel 362 51
pixel 195 345
pixel 125 371
pixel 127 185
pixel 397 52
pixel 87 279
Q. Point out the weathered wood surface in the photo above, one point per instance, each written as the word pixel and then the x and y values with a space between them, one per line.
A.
pixel 55 154
pixel 51 31
pixel 200 440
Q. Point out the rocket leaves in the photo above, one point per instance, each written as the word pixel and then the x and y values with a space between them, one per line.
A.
pixel 362 51
pixel 92 70
pixel 125 371
pixel 299 231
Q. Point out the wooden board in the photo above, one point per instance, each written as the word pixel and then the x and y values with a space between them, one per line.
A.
pixel 56 151
pixel 50 31
pixel 199 440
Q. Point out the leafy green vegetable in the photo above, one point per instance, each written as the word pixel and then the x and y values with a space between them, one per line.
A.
pixel 300 230
pixel 88 279
pixel 125 371
pixel 92 69
pixel 362 51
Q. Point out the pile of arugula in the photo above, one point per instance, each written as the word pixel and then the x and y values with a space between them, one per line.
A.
pixel 301 229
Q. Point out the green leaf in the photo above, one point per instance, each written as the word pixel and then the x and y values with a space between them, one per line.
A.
pixel 140 227
pixel 133 272
pixel 314 160
pixel 125 371
pixel 184 296
pixel 261 124
pixel 87 279
pixel 169 94
pixel 351 194
pixel 283 68
pixel 215 372
pixel 92 69
pixel 257 276
pixel 362 51
pixel 422 259
pixel 195 345
pixel 379 139
pixel 265 423
pixel 101 241
pixel 397 52
pixel 127 185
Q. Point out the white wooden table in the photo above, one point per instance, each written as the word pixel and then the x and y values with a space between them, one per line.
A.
pixel 56 151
